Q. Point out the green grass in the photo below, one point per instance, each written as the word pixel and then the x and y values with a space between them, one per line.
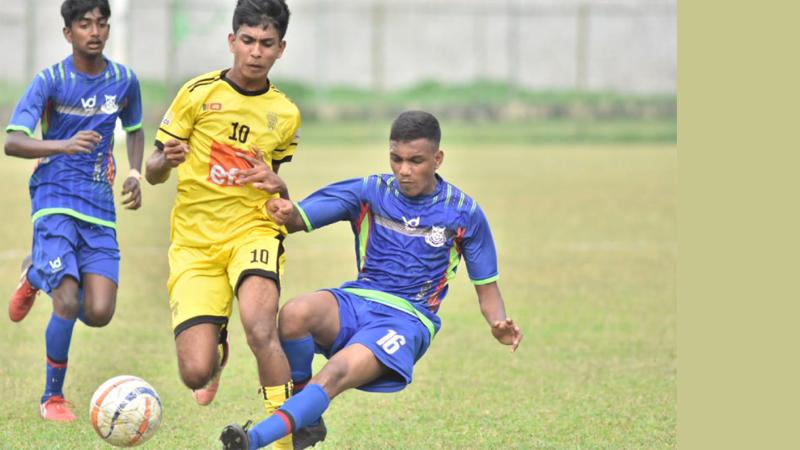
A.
pixel 586 237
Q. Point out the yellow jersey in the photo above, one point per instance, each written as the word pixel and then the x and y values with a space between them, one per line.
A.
pixel 218 119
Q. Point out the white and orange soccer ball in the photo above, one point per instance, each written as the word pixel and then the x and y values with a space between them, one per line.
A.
pixel 125 411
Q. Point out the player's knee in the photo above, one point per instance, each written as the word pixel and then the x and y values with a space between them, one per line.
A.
pixel 293 320
pixel 97 316
pixel 262 335
pixel 195 376
pixel 67 306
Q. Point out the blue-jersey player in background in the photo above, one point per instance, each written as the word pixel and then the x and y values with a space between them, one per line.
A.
pixel 75 255
pixel 411 230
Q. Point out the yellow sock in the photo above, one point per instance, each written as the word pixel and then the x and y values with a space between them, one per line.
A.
pixel 274 397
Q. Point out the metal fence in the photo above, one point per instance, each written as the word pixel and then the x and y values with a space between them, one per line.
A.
pixel 622 45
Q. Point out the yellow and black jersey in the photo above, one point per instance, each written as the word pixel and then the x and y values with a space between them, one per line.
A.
pixel 218 120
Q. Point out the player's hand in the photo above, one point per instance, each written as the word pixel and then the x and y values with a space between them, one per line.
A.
pixel 506 332
pixel 132 188
pixel 260 176
pixel 279 210
pixel 84 141
pixel 175 152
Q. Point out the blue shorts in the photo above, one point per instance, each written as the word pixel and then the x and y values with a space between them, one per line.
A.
pixel 66 246
pixel 396 338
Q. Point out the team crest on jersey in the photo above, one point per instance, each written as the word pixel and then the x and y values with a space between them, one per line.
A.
pixel 272 120
pixel 110 106
pixel 436 237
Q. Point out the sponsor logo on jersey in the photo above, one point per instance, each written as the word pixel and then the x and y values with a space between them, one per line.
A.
pixel 411 224
pixel 89 103
pixel 212 106
pixel 224 165
pixel 55 265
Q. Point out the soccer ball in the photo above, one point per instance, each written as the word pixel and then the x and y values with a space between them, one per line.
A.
pixel 125 411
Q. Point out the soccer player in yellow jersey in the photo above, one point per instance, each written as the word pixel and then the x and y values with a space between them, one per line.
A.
pixel 226 133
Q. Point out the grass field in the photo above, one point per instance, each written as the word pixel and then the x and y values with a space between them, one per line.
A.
pixel 586 237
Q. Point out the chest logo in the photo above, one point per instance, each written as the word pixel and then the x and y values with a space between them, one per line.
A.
pixel 272 120
pixel 224 165
pixel 89 103
pixel 435 237
pixel 110 106
pixel 411 224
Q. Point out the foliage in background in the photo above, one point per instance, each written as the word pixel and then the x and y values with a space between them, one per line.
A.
pixel 485 112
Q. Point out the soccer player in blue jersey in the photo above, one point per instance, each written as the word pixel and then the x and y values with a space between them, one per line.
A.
pixel 411 230
pixel 75 255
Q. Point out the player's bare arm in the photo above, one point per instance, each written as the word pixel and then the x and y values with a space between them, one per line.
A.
pixel 162 161
pixel 261 176
pixel 131 188
pixel 283 212
pixel 21 145
pixel 493 309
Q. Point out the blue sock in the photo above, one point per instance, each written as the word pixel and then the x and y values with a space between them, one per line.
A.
pixel 57 338
pixel 299 411
pixel 300 353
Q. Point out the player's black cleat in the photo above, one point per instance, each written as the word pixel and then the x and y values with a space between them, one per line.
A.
pixel 234 436
pixel 309 436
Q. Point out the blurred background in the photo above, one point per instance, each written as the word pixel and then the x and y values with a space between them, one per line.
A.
pixel 608 68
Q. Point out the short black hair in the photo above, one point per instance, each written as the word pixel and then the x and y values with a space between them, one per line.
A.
pixel 255 13
pixel 412 125
pixel 72 10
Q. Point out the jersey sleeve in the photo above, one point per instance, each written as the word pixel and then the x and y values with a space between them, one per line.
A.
pixel 479 251
pixel 178 121
pixel 333 203
pixel 31 106
pixel 131 115
pixel 291 137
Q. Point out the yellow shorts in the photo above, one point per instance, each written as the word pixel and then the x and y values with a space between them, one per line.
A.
pixel 203 281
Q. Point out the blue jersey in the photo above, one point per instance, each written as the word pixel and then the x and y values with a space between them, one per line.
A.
pixel 67 101
pixel 407 249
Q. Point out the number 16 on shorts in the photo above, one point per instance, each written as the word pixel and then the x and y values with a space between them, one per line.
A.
pixel 391 342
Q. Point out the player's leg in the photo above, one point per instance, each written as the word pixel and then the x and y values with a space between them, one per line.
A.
pixel 200 301
pixel 255 267
pixel 58 336
pixel 353 366
pixel 99 259
pixel 99 299
pixel 304 323
pixel 198 356
pixel 55 270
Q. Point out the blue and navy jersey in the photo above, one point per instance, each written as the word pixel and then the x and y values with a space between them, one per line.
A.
pixel 66 101
pixel 407 247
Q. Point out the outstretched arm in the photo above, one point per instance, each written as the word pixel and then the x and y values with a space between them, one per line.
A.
pixel 494 311
pixel 132 185
pixel 163 160
pixel 283 212
pixel 20 145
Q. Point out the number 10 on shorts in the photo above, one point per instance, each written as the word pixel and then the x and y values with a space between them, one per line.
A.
pixel 391 342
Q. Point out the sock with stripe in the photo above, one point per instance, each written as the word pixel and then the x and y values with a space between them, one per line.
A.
pixel 57 338
pixel 274 398
pixel 299 411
